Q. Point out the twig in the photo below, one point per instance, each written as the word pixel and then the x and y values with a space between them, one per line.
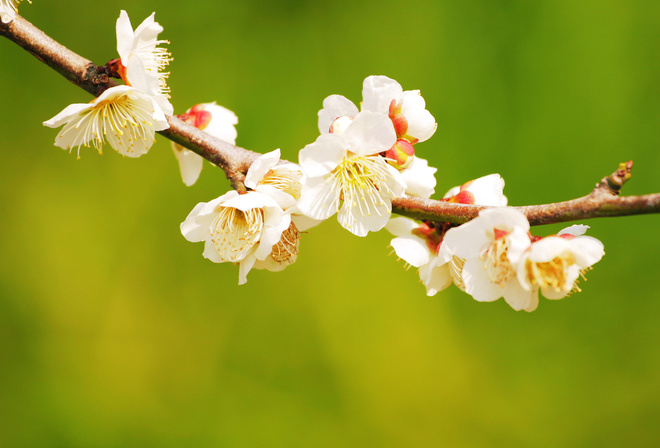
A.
pixel 603 201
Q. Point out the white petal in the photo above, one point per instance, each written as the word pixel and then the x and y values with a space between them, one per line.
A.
pixel 222 123
pixel 370 133
pixel 467 240
pixel 335 106
pixel 67 113
pixel 477 283
pixel 587 250
pixel 196 226
pixel 435 277
pixel 378 92
pixel 190 164
pixel 401 226
pixel 244 268
pixel 421 124
pixel 124 37
pixel 488 190
pixel 358 223
pixel 412 249
pixel 260 168
pixel 419 178
pixel 575 230
pixel 518 298
pixel 322 156
pixel 317 199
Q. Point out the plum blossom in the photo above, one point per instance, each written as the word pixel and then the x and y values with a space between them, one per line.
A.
pixel 142 59
pixel 407 109
pixel 124 116
pixel 420 244
pixel 215 120
pixel 555 263
pixel 344 173
pixel 8 10
pixel 247 229
pixel 492 246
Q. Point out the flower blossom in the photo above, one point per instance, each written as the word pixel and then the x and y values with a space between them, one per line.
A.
pixel 492 245
pixel 344 173
pixel 420 244
pixel 411 121
pixel 142 60
pixel 555 263
pixel 238 228
pixel 214 120
pixel 124 116
pixel 259 229
pixel 8 10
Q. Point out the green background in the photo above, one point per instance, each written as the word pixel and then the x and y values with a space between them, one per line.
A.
pixel 115 332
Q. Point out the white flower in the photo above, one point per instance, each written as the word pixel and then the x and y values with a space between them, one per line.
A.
pixel 420 246
pixel 346 169
pixel 492 245
pixel 124 116
pixel 250 229
pixel 486 190
pixel 215 120
pixel 142 58
pixel 419 178
pixel 8 10
pixel 555 263
pixel 406 109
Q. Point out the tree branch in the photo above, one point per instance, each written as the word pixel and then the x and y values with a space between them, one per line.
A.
pixel 603 201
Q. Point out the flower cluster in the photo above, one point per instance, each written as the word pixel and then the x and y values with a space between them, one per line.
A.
pixel 495 255
pixel 362 158
pixel 127 116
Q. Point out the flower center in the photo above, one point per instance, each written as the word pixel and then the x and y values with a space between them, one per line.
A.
pixel 496 261
pixel 286 250
pixel 122 120
pixel 361 181
pixel 550 274
pixel 234 232
pixel 284 180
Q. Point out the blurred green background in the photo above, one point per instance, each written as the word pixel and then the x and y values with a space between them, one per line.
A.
pixel 115 332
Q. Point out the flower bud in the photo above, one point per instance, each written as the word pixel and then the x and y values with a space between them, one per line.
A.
pixel 340 124
pixel 197 116
pixel 401 155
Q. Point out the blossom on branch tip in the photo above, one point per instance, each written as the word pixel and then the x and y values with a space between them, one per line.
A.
pixel 142 60
pixel 250 229
pixel 124 116
pixel 344 173
pixel 8 10
pixel 554 264
pixel 214 120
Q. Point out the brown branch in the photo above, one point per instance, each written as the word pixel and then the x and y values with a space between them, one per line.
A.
pixel 603 201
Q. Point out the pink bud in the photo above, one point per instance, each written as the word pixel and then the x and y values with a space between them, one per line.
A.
pixel 400 156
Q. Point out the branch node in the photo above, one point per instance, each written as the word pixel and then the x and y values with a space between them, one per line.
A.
pixel 614 182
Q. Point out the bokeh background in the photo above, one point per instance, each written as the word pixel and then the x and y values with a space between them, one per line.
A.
pixel 115 332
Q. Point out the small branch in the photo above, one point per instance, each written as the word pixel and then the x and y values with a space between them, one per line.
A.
pixel 73 67
pixel 603 201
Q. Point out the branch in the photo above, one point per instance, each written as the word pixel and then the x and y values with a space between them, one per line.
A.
pixel 603 201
